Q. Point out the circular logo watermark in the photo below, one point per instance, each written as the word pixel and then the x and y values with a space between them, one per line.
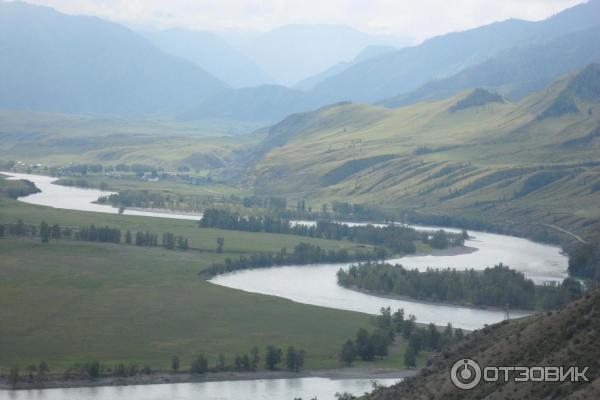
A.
pixel 465 374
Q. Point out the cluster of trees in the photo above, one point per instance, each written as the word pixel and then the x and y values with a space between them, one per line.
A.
pixel 170 241
pixel 95 369
pixel 33 373
pixel 584 261
pixel 225 219
pixel 167 200
pixel 93 234
pixel 18 229
pixel 304 253
pixel 147 239
pixel 532 231
pixel 274 358
pixel 140 198
pixel 90 370
pixel 269 202
pixel 18 188
pixel 440 239
pixel 84 169
pixel 399 239
pixel 499 286
pixel 428 338
pixel 366 346
pixel 335 210
pixel 388 326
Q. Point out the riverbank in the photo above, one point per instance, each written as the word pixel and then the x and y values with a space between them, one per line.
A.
pixel 54 382
pixel 433 303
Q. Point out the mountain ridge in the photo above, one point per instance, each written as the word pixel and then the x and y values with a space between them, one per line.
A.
pixel 408 68
pixel 75 64
pixel 516 72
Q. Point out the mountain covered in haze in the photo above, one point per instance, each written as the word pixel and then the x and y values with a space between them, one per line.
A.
pixel 212 53
pixel 516 72
pixel 73 64
pixel 263 104
pixel 407 69
pixel 367 54
pixel 292 53
pixel 70 64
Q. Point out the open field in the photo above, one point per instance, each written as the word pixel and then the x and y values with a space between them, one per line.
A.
pixel 70 302
pixel 67 302
pixel 202 239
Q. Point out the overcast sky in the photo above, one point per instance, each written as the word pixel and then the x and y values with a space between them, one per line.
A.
pixel 416 19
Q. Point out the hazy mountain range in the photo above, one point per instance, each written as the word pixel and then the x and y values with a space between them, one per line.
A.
pixel 367 54
pixel 211 52
pixel 293 53
pixel 407 69
pixel 72 64
pixel 516 72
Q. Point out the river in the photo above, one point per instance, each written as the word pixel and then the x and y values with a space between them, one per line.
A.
pixel 74 198
pixel 268 389
pixel 312 284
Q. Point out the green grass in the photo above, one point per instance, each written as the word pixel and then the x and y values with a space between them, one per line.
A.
pixel 130 182
pixel 69 302
pixel 462 148
pixel 60 139
pixel 204 239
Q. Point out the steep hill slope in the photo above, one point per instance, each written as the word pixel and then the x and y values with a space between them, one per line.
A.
pixel 59 63
pixel 515 73
pixel 409 68
pixel 567 337
pixel 535 160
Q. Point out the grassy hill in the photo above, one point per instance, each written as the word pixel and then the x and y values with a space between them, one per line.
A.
pixel 536 160
pixel 566 337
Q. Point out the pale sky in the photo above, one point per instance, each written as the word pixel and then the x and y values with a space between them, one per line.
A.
pixel 418 19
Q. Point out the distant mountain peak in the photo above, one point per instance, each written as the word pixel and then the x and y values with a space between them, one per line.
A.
pixel 477 97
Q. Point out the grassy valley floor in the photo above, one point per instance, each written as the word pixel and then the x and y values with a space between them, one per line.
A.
pixel 71 302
